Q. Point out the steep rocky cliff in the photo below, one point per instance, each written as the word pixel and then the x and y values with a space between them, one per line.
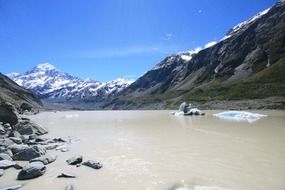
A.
pixel 17 95
pixel 247 64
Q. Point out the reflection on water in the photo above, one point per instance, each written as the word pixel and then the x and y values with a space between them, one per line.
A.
pixel 155 150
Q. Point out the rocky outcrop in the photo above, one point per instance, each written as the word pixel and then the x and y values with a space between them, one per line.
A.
pixel 16 95
pixel 8 113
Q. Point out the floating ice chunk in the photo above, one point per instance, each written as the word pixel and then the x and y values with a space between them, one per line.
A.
pixel 68 116
pixel 185 109
pixel 240 116
pixel 179 113
pixel 195 110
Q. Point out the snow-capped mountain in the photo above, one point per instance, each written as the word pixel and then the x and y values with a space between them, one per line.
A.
pixel 115 86
pixel 51 84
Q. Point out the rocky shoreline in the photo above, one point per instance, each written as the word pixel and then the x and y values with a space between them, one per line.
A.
pixel 22 140
pixel 271 103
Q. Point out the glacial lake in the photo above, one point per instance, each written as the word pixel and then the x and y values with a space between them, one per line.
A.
pixel 155 150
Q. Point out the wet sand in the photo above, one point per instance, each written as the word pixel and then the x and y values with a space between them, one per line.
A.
pixel 152 150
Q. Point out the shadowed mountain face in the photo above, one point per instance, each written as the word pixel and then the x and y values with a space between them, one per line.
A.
pixel 248 63
pixel 16 95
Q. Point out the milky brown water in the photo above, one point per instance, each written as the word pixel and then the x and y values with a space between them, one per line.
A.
pixel 155 150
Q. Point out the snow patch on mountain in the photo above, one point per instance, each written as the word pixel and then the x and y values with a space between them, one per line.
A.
pixel 115 86
pixel 44 67
pixel 14 74
pixel 186 57
pixel 181 56
pixel 210 44
pixel 242 25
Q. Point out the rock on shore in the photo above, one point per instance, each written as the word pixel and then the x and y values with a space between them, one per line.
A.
pixel 32 170
pixel 93 164
pixel 75 160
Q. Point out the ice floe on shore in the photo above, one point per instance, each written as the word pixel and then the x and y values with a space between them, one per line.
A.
pixel 240 116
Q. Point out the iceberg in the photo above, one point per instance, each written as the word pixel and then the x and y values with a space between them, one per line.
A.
pixel 240 116
pixel 185 109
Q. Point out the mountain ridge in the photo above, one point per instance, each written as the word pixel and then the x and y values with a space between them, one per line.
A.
pixel 247 64
pixel 52 85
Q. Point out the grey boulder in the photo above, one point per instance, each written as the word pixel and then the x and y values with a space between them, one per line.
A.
pixel 16 140
pixel 6 142
pixel 14 134
pixel 26 127
pixel 74 160
pixel 5 164
pixel 8 113
pixel 29 153
pixel 4 156
pixel 93 164
pixel 7 151
pixel 16 148
pixel 32 170
pixel 46 159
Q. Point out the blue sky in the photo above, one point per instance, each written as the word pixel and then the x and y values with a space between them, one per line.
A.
pixel 106 39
